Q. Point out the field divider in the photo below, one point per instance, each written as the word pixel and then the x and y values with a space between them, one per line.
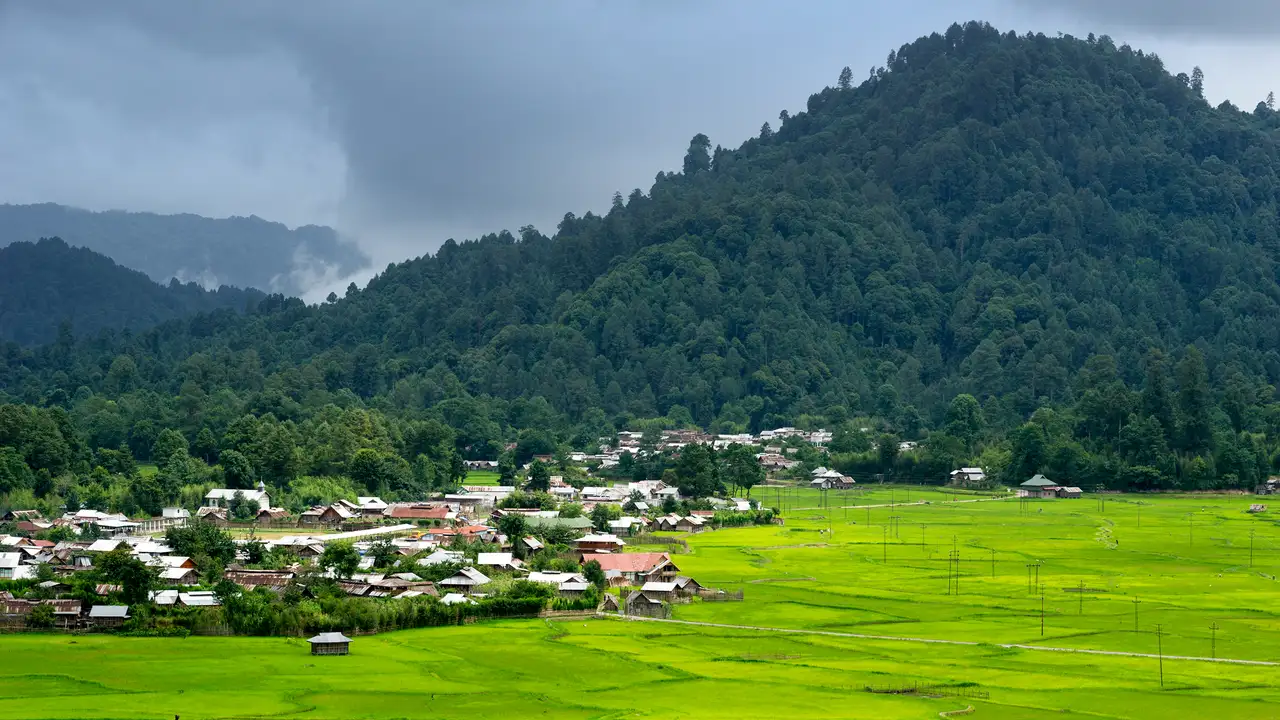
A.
pixel 938 641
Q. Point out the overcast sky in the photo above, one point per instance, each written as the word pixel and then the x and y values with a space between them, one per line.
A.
pixel 404 122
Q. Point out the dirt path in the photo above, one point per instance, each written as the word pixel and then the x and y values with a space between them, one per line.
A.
pixel 934 641
pixel 899 504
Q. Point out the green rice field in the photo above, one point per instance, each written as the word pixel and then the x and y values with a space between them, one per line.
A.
pixel 836 568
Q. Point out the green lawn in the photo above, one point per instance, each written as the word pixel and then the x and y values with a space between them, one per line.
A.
pixel 825 570
pixel 481 477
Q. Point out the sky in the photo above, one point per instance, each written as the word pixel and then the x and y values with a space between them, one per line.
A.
pixel 405 122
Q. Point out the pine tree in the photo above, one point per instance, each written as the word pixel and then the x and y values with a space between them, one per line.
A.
pixel 846 79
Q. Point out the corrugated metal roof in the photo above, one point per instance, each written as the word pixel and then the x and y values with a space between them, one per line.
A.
pixel 330 637
pixel 109 611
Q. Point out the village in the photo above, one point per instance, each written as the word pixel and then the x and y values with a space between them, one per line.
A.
pixel 461 548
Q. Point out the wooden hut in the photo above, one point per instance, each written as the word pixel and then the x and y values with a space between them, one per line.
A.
pixel 330 644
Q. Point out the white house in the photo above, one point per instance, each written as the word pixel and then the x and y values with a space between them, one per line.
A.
pixel 221 497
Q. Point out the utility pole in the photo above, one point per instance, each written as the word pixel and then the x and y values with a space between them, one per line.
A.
pixel 1041 612
pixel 1160 651
pixel 1135 614
pixel 884 544
pixel 1081 593
pixel 923 545
pixel 993 562
pixel 1251 532
pixel 1029 577
pixel 1213 642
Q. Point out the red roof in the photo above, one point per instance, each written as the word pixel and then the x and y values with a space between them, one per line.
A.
pixel 703 513
pixel 418 513
pixel 43 543
pixel 627 562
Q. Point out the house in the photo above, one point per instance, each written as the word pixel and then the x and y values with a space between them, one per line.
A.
pixel 690 524
pixel 1070 492
pixel 212 514
pixel 569 585
pixel 454 598
pixel 826 479
pixel 599 542
pixel 270 515
pixel 108 616
pixel 221 497
pixel 442 557
pixel 686 586
pixel 465 581
pixel 167 598
pixel 201 598
pixel 334 514
pixel 250 579
pixel 636 568
pixel 16 515
pixel 626 525
pixel 173 561
pixel 609 603
pixel 499 561
pixel 1270 487
pixel 1038 487
pixel 968 477
pixel 371 506
pixel 416 512
pixel 645 605
pixel 179 576
pixel 665 591
pixel 9 563
pixel 532 544
pixel 332 643
pixel 481 464
pixel 66 613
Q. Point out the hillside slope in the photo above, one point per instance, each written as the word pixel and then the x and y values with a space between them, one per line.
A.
pixel 237 251
pixel 1021 218
pixel 47 283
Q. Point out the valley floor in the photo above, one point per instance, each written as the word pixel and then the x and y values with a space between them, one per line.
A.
pixel 828 574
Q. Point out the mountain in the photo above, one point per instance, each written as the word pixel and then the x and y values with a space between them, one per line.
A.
pixel 237 251
pixel 46 283
pixel 1044 254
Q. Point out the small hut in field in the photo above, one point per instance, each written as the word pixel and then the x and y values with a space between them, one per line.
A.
pixel 330 644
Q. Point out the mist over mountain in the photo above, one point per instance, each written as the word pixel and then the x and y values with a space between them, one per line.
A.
pixel 47 285
pixel 1052 251
pixel 236 251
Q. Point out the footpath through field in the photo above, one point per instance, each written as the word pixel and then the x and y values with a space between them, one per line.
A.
pixel 902 504
pixel 934 641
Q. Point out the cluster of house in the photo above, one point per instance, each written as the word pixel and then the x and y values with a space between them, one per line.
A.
pixel 633 442
pixel 828 479
pixel 1042 487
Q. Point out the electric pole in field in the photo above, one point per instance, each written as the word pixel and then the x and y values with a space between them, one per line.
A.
pixel 1160 650
pixel 923 544
pixel 1135 614
pixel 884 544
pixel 1251 532
pixel 1213 641
pixel 1081 593
pixel 1041 612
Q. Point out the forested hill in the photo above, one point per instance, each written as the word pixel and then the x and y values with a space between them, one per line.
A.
pixel 1039 222
pixel 237 251
pixel 46 284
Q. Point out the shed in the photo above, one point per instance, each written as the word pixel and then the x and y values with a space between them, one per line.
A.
pixel 108 616
pixel 332 643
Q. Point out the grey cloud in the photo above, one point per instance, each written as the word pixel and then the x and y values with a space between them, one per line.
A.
pixel 404 122
pixel 1256 19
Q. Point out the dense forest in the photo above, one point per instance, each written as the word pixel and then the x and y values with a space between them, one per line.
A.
pixel 1037 253
pixel 47 286
pixel 237 251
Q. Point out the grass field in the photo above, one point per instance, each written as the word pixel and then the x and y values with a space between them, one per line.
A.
pixel 481 477
pixel 825 571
